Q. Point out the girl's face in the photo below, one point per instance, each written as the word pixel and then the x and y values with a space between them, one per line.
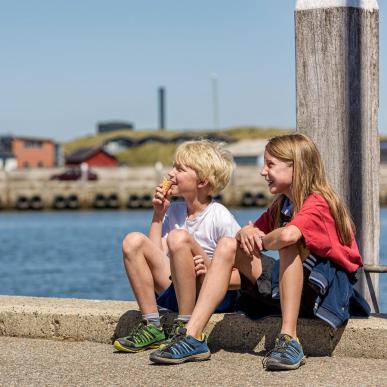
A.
pixel 278 175
pixel 184 180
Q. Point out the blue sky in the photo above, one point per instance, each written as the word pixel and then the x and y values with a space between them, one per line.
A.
pixel 68 64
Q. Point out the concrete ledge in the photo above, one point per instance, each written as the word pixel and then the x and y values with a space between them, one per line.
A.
pixel 101 321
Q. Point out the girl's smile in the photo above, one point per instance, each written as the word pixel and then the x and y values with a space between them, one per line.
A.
pixel 278 175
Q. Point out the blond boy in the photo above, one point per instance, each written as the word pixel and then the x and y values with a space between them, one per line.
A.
pixel 181 242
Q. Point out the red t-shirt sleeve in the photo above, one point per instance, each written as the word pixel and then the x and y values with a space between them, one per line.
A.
pixel 263 222
pixel 310 221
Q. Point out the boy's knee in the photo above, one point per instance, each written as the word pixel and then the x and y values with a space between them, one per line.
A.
pixel 227 244
pixel 132 242
pixel 177 238
pixel 226 248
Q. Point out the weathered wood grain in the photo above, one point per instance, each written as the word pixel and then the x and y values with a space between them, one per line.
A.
pixel 337 83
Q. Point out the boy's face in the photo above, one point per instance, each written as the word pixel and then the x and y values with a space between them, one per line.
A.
pixel 184 180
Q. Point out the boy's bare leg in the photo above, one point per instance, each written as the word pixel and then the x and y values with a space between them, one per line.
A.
pixel 227 255
pixel 147 268
pixel 291 282
pixel 182 248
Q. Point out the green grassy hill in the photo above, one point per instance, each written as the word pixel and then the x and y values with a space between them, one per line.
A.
pixel 148 154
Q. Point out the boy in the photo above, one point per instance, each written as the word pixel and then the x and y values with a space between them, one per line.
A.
pixel 181 242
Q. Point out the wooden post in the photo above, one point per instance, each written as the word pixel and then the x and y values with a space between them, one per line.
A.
pixel 337 82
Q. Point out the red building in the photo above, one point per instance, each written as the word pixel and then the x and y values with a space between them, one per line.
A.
pixel 93 157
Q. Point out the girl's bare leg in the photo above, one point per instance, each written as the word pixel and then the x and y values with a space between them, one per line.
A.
pixel 291 282
pixel 147 268
pixel 227 255
pixel 182 248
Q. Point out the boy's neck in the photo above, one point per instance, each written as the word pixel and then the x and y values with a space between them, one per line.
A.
pixel 197 205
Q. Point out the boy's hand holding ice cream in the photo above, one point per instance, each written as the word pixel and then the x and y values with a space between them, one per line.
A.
pixel 166 184
pixel 160 199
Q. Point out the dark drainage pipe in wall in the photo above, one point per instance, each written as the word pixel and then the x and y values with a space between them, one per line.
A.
pixel 248 199
pixel 73 202
pixel 99 201
pixel 146 201
pixel 112 201
pixel 134 201
pixel 36 202
pixel 59 202
pixel 260 199
pixel 22 203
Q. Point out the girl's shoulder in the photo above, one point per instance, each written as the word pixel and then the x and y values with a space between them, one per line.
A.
pixel 315 199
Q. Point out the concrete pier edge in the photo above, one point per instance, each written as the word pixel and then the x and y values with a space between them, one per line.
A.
pixel 101 321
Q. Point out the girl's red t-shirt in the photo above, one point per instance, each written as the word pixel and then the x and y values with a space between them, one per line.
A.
pixel 318 228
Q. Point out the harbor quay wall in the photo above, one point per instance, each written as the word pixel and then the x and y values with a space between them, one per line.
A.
pixel 103 321
pixel 123 187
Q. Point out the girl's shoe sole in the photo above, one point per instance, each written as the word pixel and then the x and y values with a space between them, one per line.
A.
pixel 273 366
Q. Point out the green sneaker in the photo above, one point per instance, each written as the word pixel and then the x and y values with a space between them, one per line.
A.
pixel 144 336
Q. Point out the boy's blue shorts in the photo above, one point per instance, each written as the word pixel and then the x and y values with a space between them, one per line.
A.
pixel 167 299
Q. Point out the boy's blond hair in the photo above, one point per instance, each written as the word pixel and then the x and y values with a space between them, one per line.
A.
pixel 209 160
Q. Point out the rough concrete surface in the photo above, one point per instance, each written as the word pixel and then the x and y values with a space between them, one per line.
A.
pixel 41 362
pixel 100 321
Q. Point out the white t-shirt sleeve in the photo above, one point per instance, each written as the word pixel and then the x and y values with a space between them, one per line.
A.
pixel 226 225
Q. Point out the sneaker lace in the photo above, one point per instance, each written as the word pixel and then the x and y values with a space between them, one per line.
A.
pixel 137 334
pixel 176 327
pixel 179 335
pixel 279 346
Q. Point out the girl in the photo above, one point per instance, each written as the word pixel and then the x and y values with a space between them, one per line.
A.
pixel 312 230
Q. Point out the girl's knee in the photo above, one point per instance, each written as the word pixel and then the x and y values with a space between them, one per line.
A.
pixel 291 251
pixel 288 250
pixel 132 242
pixel 177 238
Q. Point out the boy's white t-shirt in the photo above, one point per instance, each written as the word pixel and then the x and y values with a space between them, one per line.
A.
pixel 214 223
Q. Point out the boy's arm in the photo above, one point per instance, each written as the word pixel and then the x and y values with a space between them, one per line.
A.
pixel 160 204
pixel 155 230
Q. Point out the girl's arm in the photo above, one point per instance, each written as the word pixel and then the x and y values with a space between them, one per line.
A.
pixel 281 237
pixel 250 239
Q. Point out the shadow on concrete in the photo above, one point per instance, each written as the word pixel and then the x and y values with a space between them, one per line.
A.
pixel 379 315
pixel 126 323
pixel 132 318
pixel 234 332
pixel 237 333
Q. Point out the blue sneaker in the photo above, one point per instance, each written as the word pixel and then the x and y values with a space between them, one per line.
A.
pixel 286 355
pixel 181 349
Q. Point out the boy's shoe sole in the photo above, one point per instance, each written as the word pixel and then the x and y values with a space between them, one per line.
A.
pixel 164 360
pixel 119 347
pixel 275 365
